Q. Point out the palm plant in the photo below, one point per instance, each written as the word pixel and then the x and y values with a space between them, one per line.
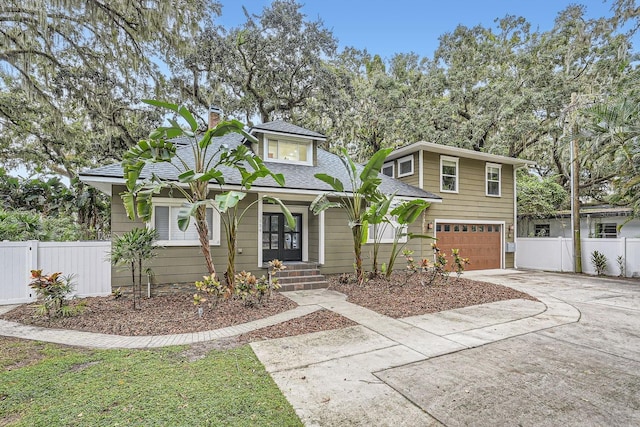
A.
pixel 194 179
pixel 617 128
pixel 354 201
pixel 133 248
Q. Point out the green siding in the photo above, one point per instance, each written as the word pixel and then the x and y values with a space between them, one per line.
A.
pixel 179 264
pixel 339 255
pixel 413 179
pixel 471 202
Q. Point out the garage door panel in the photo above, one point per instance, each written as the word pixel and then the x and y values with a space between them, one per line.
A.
pixel 478 242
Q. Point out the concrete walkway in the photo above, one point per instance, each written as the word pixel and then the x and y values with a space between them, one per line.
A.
pixel 330 377
pixel 508 363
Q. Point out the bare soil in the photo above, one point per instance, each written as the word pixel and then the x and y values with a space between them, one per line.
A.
pixel 405 295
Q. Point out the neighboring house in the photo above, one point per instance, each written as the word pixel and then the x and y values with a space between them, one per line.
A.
pixel 478 210
pixel 601 221
pixel 324 240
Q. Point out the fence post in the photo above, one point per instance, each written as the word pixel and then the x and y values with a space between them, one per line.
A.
pixel 623 242
pixel 33 261
pixel 561 250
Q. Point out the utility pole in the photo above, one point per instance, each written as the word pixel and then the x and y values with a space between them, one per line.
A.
pixel 575 190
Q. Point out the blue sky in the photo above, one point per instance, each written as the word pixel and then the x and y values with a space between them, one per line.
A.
pixel 395 26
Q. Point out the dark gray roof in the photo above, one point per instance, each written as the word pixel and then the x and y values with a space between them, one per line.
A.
pixel 298 177
pixel 284 127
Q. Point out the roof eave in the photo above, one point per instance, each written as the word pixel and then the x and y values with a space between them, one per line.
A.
pixel 297 135
pixel 458 152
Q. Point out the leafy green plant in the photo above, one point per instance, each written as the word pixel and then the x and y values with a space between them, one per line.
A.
pixel 620 261
pixel 53 292
pixel 440 263
pixel 254 291
pixel 599 262
pixel 133 248
pixel 215 290
pixel 459 263
pixel 411 263
pixel 354 199
pixel 195 177
pixel 383 214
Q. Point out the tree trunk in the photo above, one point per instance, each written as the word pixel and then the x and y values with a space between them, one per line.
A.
pixel 133 283
pixel 203 235
pixel 357 246
pixel 232 242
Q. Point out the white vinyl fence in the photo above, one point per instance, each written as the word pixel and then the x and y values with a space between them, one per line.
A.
pixel 87 261
pixel 556 254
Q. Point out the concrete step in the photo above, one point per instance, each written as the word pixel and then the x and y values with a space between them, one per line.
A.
pixel 298 273
pixel 300 279
pixel 303 286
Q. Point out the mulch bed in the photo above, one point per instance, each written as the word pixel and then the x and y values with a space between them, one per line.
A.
pixel 405 295
pixel 410 294
pixel 174 314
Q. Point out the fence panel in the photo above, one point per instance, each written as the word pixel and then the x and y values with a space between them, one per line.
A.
pixel 87 261
pixel 556 254
pixel 632 269
pixel 15 263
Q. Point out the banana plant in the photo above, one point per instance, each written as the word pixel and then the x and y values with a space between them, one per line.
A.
pixel 354 199
pixel 195 178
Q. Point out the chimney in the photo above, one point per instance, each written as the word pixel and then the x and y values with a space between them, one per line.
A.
pixel 215 113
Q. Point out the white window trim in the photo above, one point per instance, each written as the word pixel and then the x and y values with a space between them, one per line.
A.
pixel 486 179
pixel 171 202
pixel 403 160
pixel 308 144
pixel 457 162
pixel 393 168
pixel 394 224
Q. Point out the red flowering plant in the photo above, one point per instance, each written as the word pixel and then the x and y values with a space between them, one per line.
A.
pixel 53 292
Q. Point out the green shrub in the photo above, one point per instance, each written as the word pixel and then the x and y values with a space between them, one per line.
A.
pixel 599 262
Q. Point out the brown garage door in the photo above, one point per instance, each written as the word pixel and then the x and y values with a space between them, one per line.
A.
pixel 478 242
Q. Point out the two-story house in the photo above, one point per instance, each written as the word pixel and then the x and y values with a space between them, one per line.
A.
pixel 323 242
pixel 477 214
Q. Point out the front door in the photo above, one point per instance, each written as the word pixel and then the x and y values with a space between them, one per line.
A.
pixel 279 241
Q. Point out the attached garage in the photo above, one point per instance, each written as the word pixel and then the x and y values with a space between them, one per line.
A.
pixel 481 243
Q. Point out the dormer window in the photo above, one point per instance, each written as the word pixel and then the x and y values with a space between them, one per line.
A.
pixel 280 150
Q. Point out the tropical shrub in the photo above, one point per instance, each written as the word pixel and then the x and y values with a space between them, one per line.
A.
pixel 354 199
pixel 459 263
pixel 53 291
pixel 133 248
pixel 254 291
pixel 599 262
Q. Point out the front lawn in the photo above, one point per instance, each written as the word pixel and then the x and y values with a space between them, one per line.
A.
pixel 47 384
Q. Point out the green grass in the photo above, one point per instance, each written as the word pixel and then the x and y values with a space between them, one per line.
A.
pixel 46 384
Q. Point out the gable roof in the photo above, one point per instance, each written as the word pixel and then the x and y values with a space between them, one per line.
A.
pixel 299 178
pixel 449 150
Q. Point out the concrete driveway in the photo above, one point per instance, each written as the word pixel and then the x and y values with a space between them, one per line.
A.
pixel 571 359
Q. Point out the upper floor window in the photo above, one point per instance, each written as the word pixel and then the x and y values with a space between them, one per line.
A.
pixel 493 172
pixel 288 151
pixel 405 166
pixel 165 222
pixel 449 174
pixel 607 231
pixel 388 169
